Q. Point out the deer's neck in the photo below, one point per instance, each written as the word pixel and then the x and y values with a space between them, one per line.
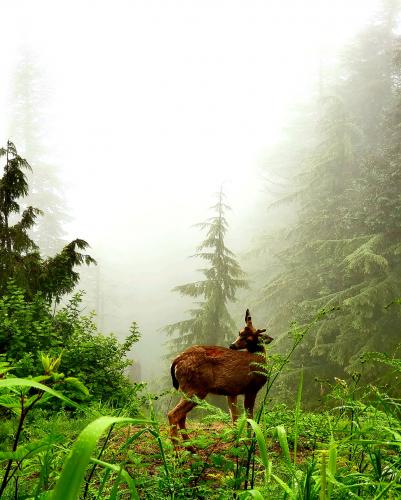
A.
pixel 256 349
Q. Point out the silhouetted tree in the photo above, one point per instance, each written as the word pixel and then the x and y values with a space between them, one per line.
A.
pixel 20 259
pixel 27 113
pixel 343 244
pixel 210 322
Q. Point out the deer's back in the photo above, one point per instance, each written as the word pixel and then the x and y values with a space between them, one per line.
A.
pixel 218 370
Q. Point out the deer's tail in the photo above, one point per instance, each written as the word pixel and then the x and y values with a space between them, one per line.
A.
pixel 174 378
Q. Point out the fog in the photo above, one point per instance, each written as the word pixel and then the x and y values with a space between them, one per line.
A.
pixel 148 108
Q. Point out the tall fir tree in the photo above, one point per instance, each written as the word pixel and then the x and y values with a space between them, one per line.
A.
pixel 366 79
pixel 27 115
pixel 338 250
pixel 210 322
pixel 20 259
pixel 16 247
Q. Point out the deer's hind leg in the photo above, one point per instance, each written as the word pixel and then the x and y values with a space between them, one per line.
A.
pixel 233 408
pixel 181 422
pixel 177 417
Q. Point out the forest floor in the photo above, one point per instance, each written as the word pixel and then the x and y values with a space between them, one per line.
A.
pixel 213 464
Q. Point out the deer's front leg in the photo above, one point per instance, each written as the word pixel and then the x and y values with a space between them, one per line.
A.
pixel 249 403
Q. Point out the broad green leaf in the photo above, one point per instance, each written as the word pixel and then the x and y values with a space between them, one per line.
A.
pixel 241 422
pixel 261 442
pixel 41 378
pixel 282 438
pixel 284 485
pixel 30 449
pixel 332 464
pixel 251 494
pixel 69 484
pixel 77 384
pixel 9 401
pixel 23 382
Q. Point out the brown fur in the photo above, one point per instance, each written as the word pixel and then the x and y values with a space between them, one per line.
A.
pixel 201 370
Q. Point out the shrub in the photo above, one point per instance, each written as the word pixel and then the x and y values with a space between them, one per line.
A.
pixel 29 327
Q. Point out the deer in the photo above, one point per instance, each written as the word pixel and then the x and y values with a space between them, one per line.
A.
pixel 203 369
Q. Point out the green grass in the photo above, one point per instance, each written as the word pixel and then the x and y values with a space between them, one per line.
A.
pixel 350 447
pixel 136 459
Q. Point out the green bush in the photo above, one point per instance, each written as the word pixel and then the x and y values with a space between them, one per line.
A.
pixel 26 327
pixel 99 360
pixel 29 327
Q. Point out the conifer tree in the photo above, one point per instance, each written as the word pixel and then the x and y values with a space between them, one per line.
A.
pixel 15 245
pixel 343 243
pixel 27 114
pixel 210 322
pixel 20 259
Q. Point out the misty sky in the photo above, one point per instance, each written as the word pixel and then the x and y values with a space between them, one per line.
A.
pixel 151 105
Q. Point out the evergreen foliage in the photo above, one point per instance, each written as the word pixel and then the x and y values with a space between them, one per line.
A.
pixel 343 245
pixel 210 322
pixel 29 284
pixel 27 111
pixel 17 250
pixel 20 259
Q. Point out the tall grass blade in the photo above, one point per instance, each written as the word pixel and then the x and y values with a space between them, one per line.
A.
pixel 261 443
pixel 269 472
pixel 308 482
pixel 284 485
pixel 69 484
pixel 297 414
pixel 384 490
pixel 122 474
pixel 241 422
pixel 282 439
pixel 332 467
pixel 115 489
pixel 156 435
pixel 323 476
pixel 105 478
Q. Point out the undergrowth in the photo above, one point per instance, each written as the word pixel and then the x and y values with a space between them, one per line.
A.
pixel 348 448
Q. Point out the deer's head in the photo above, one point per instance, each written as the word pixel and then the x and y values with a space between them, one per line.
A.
pixel 251 340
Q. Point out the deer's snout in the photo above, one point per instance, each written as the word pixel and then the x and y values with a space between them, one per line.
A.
pixel 267 339
pixel 233 346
